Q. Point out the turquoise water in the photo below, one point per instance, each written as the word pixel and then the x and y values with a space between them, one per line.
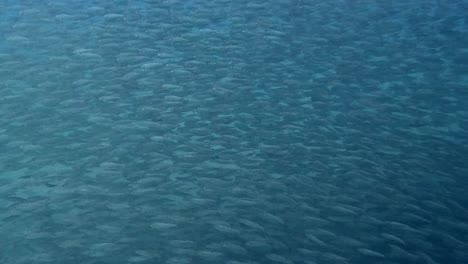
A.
pixel 278 131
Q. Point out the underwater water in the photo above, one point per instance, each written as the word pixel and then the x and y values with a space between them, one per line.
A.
pixel 233 131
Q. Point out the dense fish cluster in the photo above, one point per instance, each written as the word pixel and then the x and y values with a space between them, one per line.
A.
pixel 233 131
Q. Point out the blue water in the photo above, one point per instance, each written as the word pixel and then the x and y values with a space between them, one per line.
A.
pixel 237 132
